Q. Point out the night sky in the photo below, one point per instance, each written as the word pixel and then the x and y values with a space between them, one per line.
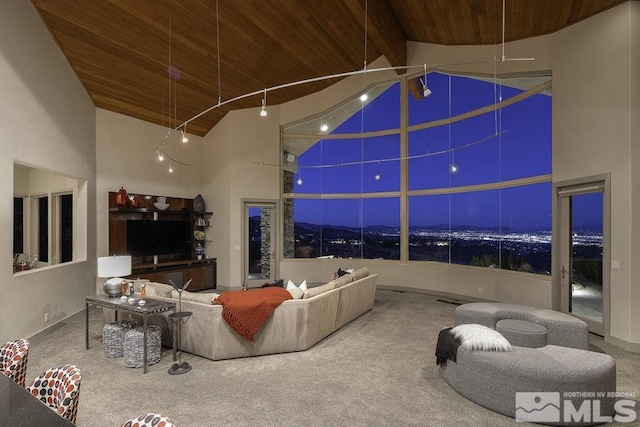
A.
pixel 513 143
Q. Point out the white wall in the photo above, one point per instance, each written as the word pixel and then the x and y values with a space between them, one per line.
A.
pixel 46 121
pixel 216 189
pixel 634 133
pixel 595 108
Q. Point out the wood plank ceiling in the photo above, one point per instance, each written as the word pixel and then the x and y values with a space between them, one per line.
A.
pixel 122 50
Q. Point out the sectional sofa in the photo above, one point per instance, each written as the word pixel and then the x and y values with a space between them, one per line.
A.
pixel 296 324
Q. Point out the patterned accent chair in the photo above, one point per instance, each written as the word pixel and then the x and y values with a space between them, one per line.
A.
pixel 59 388
pixel 149 420
pixel 13 360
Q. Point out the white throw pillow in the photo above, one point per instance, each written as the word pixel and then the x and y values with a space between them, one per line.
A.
pixel 302 286
pixel 480 337
pixel 296 293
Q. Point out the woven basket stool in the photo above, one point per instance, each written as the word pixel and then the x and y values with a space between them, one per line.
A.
pixel 113 337
pixel 134 350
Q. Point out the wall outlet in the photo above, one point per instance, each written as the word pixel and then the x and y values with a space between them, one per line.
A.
pixel 46 317
pixel 479 290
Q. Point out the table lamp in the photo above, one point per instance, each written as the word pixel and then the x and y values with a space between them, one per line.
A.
pixel 114 267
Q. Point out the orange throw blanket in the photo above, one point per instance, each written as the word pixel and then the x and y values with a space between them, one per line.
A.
pixel 246 311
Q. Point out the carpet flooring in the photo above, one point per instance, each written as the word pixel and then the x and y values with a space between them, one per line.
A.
pixel 379 370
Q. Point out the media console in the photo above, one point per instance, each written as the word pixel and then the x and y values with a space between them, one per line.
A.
pixel 201 272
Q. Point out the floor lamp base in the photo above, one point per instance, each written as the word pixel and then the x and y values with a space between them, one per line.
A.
pixel 179 368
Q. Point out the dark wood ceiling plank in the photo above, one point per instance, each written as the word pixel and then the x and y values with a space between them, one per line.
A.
pixel 120 48
pixel 382 29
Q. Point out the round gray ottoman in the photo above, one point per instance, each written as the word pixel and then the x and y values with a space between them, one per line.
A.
pixel 134 350
pixel 523 333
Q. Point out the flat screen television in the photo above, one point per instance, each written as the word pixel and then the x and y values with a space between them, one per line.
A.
pixel 147 237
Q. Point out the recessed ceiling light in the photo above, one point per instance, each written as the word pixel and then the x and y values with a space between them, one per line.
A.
pixel 324 128
pixel 363 97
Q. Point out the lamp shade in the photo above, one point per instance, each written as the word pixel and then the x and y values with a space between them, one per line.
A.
pixel 113 267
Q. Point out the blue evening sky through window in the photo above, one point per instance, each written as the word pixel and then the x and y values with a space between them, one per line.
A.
pixel 512 143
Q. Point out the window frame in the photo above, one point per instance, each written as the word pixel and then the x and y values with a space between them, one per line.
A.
pixel 404 131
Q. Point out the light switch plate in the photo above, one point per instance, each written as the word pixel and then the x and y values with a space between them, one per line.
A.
pixel 615 265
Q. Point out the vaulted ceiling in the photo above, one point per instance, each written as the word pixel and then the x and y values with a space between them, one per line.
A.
pixel 154 59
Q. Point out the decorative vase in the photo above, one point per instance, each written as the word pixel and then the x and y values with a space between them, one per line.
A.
pixel 198 204
pixel 121 197
pixel 199 251
pixel 135 201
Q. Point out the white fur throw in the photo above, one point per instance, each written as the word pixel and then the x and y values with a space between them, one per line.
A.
pixel 479 337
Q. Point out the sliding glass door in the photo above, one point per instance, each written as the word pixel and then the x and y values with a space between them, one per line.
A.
pixel 583 248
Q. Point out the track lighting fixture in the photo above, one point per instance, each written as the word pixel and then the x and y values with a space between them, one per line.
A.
pixel 425 90
pixel 170 168
pixel 324 128
pixel 263 111
pixel 454 168
pixel 160 156
pixel 184 137
pixel 363 97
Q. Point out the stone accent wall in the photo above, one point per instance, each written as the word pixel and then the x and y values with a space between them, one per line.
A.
pixel 265 247
pixel 289 235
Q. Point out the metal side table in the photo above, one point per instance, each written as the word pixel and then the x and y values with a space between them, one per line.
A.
pixel 152 307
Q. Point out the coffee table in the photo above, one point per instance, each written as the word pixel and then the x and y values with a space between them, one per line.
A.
pixel 152 307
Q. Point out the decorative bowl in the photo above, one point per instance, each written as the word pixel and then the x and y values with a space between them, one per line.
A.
pixel 161 206
pixel 199 235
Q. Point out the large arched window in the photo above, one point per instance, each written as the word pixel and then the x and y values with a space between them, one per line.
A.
pixel 468 166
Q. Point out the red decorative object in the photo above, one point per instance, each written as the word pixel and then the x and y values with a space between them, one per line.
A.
pixel 135 201
pixel 121 197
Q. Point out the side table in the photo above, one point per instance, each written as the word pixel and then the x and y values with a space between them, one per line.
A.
pixel 152 307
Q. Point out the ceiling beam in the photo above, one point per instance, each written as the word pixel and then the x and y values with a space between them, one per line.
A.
pixel 382 29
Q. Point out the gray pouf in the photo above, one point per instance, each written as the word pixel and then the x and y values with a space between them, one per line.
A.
pixel 523 333
pixel 134 350
pixel 113 337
